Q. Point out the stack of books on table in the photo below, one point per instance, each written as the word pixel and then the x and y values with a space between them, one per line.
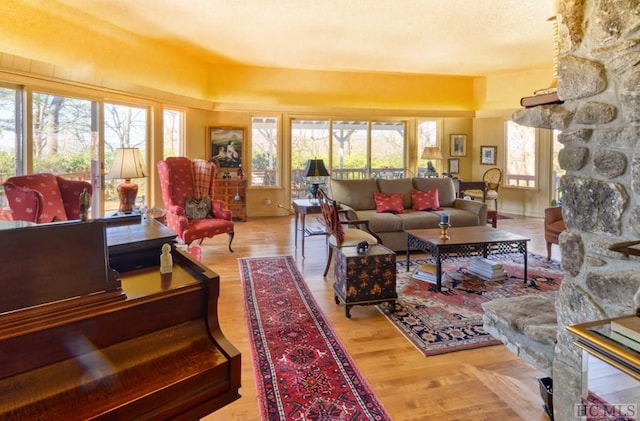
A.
pixel 627 332
pixel 487 270
pixel 425 272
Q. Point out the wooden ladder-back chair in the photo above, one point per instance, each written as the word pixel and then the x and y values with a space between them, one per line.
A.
pixel 492 179
pixel 342 232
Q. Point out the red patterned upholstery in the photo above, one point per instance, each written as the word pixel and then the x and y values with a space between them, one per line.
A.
pixel 44 197
pixel 181 177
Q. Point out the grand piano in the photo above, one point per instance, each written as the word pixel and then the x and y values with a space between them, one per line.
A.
pixel 79 340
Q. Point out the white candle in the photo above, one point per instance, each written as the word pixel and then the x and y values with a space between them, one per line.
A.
pixel 444 218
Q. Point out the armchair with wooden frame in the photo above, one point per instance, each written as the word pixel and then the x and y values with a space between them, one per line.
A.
pixel 342 232
pixel 491 179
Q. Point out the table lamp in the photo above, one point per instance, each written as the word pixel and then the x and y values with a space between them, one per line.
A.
pixel 315 168
pixel 127 164
pixel 431 153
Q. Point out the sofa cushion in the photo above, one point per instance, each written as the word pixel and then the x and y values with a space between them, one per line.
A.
pixel 414 220
pixel 381 222
pixel 446 189
pixel 357 194
pixel 422 200
pixel 388 202
pixel 400 185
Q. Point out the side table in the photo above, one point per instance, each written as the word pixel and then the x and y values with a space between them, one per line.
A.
pixel 302 208
pixel 365 278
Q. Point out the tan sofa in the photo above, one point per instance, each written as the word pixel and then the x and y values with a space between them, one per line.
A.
pixel 357 197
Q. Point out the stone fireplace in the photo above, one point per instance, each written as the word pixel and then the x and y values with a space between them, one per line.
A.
pixel 599 82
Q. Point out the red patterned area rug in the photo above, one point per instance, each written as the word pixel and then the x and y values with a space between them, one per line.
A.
pixel 451 320
pixel 302 370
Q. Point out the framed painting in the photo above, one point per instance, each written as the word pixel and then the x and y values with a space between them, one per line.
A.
pixel 454 166
pixel 227 145
pixel 458 145
pixel 488 155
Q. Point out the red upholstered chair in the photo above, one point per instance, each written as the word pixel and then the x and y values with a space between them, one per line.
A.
pixel 182 177
pixel 553 227
pixel 44 197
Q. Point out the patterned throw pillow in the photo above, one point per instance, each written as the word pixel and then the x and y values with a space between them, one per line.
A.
pixel 197 208
pixel 388 202
pixel 425 200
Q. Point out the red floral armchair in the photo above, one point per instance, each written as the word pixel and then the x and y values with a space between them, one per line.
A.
pixel 44 197
pixel 183 179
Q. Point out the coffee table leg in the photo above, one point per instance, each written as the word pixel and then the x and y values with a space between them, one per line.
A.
pixel 408 252
pixel 438 271
pixel 524 252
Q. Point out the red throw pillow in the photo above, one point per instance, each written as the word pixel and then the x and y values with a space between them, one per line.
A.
pixel 388 202
pixel 425 200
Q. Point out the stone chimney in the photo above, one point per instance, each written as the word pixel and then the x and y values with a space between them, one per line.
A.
pixel 599 82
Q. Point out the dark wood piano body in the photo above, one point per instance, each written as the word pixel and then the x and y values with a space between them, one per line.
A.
pixel 134 345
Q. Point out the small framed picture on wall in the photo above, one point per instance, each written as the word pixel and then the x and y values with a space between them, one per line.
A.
pixel 454 166
pixel 227 145
pixel 488 155
pixel 458 145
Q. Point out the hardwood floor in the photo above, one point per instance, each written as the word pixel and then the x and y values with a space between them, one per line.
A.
pixel 482 384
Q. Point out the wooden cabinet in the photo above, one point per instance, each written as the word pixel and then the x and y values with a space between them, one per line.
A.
pixel 234 194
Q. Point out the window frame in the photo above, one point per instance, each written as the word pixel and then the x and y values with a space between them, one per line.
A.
pixel 536 164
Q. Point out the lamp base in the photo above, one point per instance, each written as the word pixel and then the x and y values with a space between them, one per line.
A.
pixel 127 192
pixel 314 190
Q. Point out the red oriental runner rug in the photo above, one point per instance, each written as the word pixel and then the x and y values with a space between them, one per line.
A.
pixel 302 370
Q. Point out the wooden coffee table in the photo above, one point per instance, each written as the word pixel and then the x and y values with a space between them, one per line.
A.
pixel 465 242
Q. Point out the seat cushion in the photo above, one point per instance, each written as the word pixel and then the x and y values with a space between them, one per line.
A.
pixel 353 236
pixel 381 222
pixel 556 227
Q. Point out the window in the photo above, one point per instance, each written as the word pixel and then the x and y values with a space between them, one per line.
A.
pixel 309 140
pixel 427 137
pixel 520 155
pixel 10 143
pixel 556 171
pixel 173 132
pixel 264 155
pixel 62 135
pixel 350 157
pixel 125 127
pixel 387 150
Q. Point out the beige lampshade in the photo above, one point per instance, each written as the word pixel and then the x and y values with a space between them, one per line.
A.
pixel 431 152
pixel 127 164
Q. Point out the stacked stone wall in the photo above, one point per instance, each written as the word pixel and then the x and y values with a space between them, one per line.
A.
pixel 599 82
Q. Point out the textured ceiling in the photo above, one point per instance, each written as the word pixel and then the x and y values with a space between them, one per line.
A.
pixel 457 37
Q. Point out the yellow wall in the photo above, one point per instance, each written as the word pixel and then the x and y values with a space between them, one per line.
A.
pixel 270 86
